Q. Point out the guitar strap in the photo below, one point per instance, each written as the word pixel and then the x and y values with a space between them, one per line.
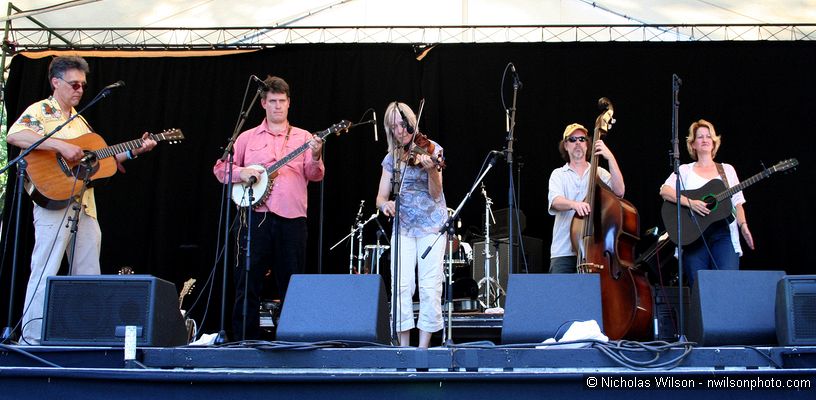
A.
pixel 90 129
pixel 724 177
pixel 721 170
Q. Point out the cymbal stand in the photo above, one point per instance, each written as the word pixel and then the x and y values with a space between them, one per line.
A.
pixel 492 288
pixel 356 230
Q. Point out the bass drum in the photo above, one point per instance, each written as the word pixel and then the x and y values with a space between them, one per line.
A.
pixel 373 260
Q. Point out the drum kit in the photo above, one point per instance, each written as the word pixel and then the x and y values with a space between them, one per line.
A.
pixel 467 294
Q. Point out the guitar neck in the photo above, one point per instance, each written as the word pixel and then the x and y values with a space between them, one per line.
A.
pixel 744 184
pixel 111 151
pixel 296 152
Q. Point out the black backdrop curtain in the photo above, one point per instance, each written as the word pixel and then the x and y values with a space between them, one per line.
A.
pixel 162 216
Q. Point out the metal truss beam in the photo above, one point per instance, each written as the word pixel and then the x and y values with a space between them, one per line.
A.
pixel 34 39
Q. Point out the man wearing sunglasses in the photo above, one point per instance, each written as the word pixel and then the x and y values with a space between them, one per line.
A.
pixel 51 233
pixel 568 189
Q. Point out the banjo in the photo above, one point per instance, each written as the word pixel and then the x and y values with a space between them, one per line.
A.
pixel 263 187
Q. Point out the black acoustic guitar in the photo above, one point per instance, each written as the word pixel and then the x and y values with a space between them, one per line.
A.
pixel 717 198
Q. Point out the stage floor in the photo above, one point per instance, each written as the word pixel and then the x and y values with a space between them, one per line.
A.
pixel 338 370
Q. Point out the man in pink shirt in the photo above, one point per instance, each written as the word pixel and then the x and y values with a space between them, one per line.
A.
pixel 279 223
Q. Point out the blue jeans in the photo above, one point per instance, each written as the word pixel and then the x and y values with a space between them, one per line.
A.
pixel 279 244
pixel 563 265
pixel 722 256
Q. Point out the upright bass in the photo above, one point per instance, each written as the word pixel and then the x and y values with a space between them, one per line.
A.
pixel 605 242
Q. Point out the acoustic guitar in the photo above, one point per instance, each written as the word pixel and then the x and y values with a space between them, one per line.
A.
pixel 717 198
pixel 53 180
pixel 189 323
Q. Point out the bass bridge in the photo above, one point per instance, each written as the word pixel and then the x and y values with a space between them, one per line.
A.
pixel 589 268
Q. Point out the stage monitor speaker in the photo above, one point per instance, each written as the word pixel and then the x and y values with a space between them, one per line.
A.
pixel 93 310
pixel 796 310
pixel 334 307
pixel 733 308
pixel 541 305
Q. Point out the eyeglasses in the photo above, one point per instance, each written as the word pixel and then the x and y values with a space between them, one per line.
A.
pixel 573 139
pixel 74 84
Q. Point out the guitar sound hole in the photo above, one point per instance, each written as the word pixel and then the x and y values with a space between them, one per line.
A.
pixel 81 171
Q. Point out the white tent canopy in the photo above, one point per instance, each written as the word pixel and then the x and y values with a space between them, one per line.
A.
pixel 184 24
pixel 238 13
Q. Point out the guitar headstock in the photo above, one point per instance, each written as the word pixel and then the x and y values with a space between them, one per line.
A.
pixel 785 165
pixel 170 135
pixel 125 271
pixel 188 287
pixel 337 129
pixel 340 127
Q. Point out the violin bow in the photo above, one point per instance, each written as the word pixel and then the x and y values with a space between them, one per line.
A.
pixel 416 126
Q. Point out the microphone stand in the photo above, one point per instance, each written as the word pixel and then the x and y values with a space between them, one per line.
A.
pixel 229 156
pixel 676 82
pixel 396 184
pixel 358 219
pixel 8 330
pixel 511 127
pixel 247 260
pixel 449 226
pixel 77 207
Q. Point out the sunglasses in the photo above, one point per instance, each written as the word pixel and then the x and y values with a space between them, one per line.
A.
pixel 399 124
pixel 573 139
pixel 75 85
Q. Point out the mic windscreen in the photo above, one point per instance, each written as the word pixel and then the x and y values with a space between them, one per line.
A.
pixel 408 126
pixel 376 139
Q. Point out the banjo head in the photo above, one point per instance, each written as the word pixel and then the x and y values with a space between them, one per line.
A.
pixel 240 190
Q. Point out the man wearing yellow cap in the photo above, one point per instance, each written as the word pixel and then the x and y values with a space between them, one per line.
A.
pixel 568 189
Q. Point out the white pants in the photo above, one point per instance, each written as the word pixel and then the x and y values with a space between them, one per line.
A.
pixel 431 277
pixel 52 240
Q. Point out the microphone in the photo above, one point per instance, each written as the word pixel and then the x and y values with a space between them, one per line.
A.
pixel 408 127
pixel 375 126
pixel 516 79
pixel 252 180
pixel 115 85
pixel 260 82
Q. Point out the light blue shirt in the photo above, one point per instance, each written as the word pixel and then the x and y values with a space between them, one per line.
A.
pixel 420 214
pixel 565 182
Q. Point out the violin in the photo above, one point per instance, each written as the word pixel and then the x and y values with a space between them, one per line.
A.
pixel 422 145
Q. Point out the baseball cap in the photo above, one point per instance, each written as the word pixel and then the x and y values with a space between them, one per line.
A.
pixel 572 128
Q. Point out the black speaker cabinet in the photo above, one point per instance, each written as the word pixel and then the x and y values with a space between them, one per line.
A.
pixel 733 308
pixel 533 251
pixel 335 307
pixel 796 310
pixel 93 310
pixel 541 305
